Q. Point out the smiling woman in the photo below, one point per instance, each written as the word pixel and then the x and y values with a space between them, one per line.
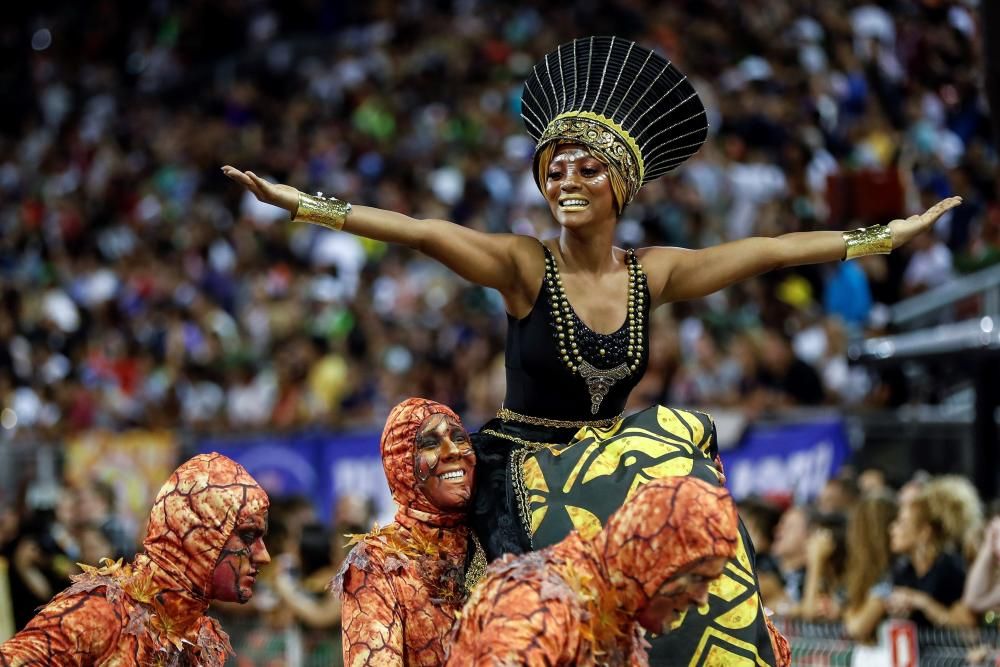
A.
pixel 577 181
pixel 445 463
pixel 606 116
pixel 402 585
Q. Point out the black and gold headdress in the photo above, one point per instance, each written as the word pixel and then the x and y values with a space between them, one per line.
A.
pixel 627 104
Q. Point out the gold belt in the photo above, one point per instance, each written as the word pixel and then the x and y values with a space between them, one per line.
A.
pixel 508 415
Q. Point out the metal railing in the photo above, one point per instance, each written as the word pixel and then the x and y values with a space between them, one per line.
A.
pixel 826 644
pixel 257 641
pixel 925 309
pixel 980 334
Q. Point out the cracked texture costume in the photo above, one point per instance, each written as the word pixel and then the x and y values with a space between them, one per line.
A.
pixel 150 611
pixel 402 585
pixel 559 456
pixel 575 603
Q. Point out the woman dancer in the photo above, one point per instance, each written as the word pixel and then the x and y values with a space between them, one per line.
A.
pixel 402 585
pixel 607 116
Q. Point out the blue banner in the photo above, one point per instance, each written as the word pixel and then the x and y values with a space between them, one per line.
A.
pixel 794 459
pixel 319 466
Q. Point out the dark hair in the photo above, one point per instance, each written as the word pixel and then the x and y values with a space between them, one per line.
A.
pixel 106 492
pixel 836 523
pixel 314 548
pixel 764 514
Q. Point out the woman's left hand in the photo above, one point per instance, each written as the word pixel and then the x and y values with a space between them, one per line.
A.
pixel 820 546
pixel 903 600
pixel 903 231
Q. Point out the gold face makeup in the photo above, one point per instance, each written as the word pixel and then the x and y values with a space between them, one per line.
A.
pixel 578 187
pixel 444 463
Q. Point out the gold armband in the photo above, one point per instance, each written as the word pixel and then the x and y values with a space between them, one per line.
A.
pixel 320 210
pixel 874 240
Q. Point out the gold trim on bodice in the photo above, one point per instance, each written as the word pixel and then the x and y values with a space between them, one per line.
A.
pixel 517 478
pixel 508 415
pixel 566 335
pixel 477 568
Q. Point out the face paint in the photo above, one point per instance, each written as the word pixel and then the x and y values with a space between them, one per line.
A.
pixel 444 463
pixel 578 187
pixel 244 552
pixel 679 593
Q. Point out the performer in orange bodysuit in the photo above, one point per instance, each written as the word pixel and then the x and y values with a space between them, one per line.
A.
pixel 402 585
pixel 204 542
pixel 586 602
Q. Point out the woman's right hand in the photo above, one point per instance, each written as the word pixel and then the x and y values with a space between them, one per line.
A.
pixel 276 194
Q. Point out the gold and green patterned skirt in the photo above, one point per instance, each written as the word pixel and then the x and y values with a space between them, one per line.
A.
pixel 538 482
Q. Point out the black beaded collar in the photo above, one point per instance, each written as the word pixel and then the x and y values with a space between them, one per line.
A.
pixel 600 359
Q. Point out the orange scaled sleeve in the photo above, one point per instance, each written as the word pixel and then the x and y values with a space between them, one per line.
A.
pixel 372 622
pixel 512 623
pixel 76 630
pixel 782 651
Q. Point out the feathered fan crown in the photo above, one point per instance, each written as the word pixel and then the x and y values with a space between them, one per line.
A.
pixel 627 104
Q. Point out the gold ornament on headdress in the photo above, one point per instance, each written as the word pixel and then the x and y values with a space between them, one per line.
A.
pixel 605 138
pixel 631 107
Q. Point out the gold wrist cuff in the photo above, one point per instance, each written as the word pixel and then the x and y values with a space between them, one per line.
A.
pixel 320 210
pixel 874 240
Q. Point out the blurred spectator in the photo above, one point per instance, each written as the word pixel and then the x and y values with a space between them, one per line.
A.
pixel 838 495
pixel 97 507
pixel 847 294
pixel 912 489
pixel 868 579
pixel 929 579
pixel 786 379
pixel 930 265
pixel 872 482
pixel 708 378
pixel 789 548
pixel 826 555
pixel 982 588
pixel 761 519
pixel 303 588
pixel 984 247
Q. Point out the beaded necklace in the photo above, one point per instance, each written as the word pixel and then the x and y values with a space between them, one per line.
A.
pixel 582 349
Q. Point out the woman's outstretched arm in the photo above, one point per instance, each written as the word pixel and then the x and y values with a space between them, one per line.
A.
pixel 690 274
pixel 492 260
pixel 982 586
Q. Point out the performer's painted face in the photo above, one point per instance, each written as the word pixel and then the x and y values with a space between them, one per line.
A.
pixel 244 552
pixel 444 463
pixel 685 589
pixel 578 187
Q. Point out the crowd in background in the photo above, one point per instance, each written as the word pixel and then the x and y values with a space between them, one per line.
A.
pixel 141 288
pixel 862 552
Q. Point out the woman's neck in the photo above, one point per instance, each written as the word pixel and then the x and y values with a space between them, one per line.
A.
pixel 923 558
pixel 588 251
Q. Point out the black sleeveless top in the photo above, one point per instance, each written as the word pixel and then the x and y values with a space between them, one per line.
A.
pixel 545 347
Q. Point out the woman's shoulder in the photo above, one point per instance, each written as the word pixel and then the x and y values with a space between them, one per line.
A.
pixel 656 263
pixel 950 563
